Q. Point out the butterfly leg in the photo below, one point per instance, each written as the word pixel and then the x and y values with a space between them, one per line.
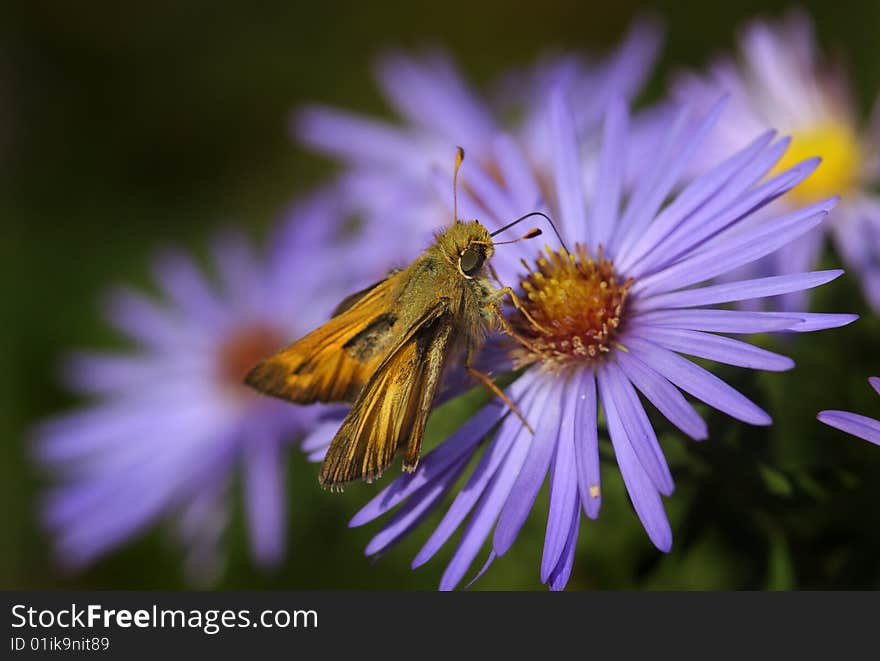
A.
pixel 518 304
pixel 493 389
pixel 510 330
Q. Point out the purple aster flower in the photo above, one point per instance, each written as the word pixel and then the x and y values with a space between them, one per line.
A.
pixel 618 315
pixel 852 423
pixel 398 175
pixel 171 423
pixel 781 81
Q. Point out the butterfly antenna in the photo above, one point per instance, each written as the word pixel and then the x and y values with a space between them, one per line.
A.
pixel 529 235
pixel 459 157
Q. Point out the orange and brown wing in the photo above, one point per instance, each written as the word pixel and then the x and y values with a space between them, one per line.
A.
pixel 332 363
pixel 391 411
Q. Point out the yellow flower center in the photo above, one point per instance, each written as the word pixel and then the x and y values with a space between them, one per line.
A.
pixel 838 147
pixel 577 303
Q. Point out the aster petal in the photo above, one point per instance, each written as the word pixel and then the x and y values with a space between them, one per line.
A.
pixel 698 382
pixel 558 578
pixel 144 321
pixel 641 212
pixel 241 275
pixel 736 251
pixel 612 166
pixel 694 196
pixel 665 396
pixel 534 470
pixel 814 321
pixel 487 510
pixel 875 383
pixel 509 433
pixel 644 495
pixel 186 287
pixel 431 93
pixel 351 136
pixel 566 169
pixel 696 232
pixel 417 507
pixel 107 373
pixel 852 423
pixel 718 321
pixel 729 292
pixel 586 444
pixel 720 349
pixel 517 173
pixel 438 460
pixel 495 199
pixel 265 497
pixel 564 503
pixel 638 428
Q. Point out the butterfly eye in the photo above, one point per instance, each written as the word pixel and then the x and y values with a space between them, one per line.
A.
pixel 471 260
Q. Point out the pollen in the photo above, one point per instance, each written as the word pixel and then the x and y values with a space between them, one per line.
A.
pixel 243 349
pixel 576 304
pixel 837 145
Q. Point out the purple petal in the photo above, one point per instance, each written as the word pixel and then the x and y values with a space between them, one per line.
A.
pixel 355 138
pixel 696 231
pixel 433 464
pixel 489 507
pixel 509 433
pixel 729 292
pixel 431 93
pixel 566 168
pixel 637 426
pixel 558 578
pixel 265 499
pixel 875 383
pixel 416 508
pixel 645 497
pixel 814 321
pixel 736 251
pixel 518 176
pixel 611 169
pixel 639 215
pixel 563 484
pixel 585 433
pixel 693 197
pixel 720 349
pixel 852 423
pixel 533 472
pixel 717 321
pixel 665 396
pixel 186 286
pixel 698 382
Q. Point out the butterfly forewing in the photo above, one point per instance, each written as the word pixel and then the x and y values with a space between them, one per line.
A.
pixel 332 363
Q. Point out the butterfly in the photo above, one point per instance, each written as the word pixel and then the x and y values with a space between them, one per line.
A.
pixel 387 347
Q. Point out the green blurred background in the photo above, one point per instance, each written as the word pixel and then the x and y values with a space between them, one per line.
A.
pixel 128 126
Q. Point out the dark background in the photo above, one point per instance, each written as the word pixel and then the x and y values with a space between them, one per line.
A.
pixel 128 126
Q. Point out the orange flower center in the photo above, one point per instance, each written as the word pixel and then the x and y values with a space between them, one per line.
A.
pixel 244 349
pixel 577 301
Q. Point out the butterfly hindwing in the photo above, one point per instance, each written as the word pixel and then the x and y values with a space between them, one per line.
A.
pixel 390 413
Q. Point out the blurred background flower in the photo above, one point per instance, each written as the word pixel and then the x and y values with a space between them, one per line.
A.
pixel 127 127
pixel 780 79
pixel 398 175
pixel 173 425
